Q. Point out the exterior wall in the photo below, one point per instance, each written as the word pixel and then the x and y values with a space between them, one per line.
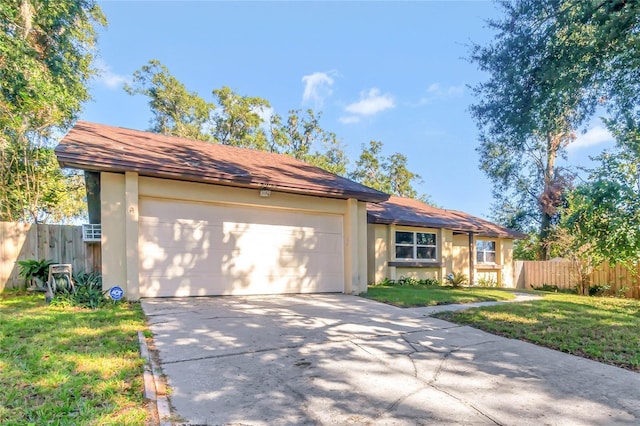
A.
pixel 120 195
pixel 419 273
pixel 460 254
pixel 131 235
pixel 446 236
pixel 360 284
pixel 379 253
pixel 114 254
pixel 507 264
pixel 453 255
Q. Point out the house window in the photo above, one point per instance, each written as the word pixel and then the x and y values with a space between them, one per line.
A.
pixel 416 245
pixel 485 251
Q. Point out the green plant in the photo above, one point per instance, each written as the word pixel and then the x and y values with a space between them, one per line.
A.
pixel 546 287
pixel 86 292
pixel 621 293
pixel 457 279
pixel 487 282
pixel 599 289
pixel 431 282
pixel 35 270
pixel 386 282
pixel 409 281
pixel 552 288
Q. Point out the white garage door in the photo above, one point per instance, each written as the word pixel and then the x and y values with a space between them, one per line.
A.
pixel 197 249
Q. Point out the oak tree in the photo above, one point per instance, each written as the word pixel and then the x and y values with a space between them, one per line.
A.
pixel 46 53
pixel 551 64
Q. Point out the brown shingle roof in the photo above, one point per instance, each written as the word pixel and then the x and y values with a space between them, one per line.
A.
pixel 97 147
pixel 409 212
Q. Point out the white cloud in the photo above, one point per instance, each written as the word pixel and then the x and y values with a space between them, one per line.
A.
pixel 349 119
pixel 108 77
pixel 435 92
pixel 594 136
pixel 371 102
pixel 317 87
pixel 449 91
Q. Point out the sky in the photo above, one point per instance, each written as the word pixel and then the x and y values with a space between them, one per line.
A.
pixel 394 72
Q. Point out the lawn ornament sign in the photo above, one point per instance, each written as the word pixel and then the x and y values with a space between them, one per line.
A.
pixel 116 293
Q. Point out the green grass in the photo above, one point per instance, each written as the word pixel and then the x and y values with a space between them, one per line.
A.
pixel 69 366
pixel 603 329
pixel 411 296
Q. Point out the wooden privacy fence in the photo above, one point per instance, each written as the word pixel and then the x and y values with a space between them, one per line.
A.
pixel 535 273
pixel 60 243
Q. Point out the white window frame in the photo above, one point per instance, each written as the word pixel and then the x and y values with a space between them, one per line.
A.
pixel 484 251
pixel 415 246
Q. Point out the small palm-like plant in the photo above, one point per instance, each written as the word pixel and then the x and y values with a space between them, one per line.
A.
pixel 457 279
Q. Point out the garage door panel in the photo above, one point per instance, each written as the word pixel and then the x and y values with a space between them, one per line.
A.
pixel 204 249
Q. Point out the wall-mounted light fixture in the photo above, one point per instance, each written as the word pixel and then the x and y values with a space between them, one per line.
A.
pixel 265 193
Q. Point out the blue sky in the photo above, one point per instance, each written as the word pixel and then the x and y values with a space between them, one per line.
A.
pixel 388 71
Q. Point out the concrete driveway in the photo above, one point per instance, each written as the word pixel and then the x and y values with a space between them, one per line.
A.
pixel 338 359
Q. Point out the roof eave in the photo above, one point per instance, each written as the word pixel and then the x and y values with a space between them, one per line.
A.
pixel 480 232
pixel 67 161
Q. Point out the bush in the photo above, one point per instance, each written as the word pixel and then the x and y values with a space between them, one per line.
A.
pixel 431 282
pixel 32 269
pixel 410 282
pixel 552 288
pixel 386 282
pixel 86 291
pixel 487 282
pixel 599 289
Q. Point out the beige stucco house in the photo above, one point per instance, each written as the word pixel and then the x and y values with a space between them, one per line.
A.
pixel 407 238
pixel 189 218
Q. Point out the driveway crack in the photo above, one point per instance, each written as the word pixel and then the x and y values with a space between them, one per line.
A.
pixel 430 383
pixel 413 362
pixel 256 351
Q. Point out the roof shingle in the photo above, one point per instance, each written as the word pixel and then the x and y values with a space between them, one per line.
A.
pixel 409 212
pixel 97 147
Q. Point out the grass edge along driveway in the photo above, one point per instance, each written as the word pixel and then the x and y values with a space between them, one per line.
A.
pixel 63 365
pixel 413 296
pixel 599 328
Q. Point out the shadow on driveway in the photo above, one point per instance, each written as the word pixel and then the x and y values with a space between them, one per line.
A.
pixel 338 359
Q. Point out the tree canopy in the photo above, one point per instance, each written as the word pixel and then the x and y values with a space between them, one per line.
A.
pixel 176 111
pixel 388 174
pixel 248 122
pixel 46 52
pixel 604 212
pixel 551 65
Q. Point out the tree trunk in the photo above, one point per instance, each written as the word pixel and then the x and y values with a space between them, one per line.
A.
pixel 546 199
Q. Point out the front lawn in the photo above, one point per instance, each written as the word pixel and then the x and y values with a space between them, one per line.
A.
pixel 412 296
pixel 602 329
pixel 69 365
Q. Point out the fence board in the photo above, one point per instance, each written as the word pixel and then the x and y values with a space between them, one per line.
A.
pixel 60 243
pixel 530 274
